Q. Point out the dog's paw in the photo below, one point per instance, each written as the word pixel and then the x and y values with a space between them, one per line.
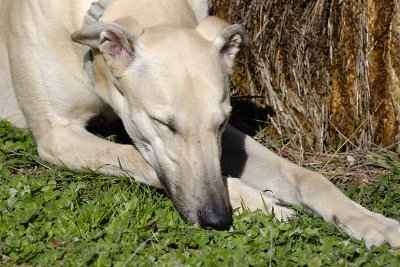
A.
pixel 282 213
pixel 390 236
pixel 267 205
pixel 243 196
pixel 385 233
pixel 374 229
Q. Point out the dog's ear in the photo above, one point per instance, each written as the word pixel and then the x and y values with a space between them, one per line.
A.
pixel 227 39
pixel 115 40
pixel 229 42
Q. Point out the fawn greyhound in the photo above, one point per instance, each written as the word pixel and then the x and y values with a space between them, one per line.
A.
pixel 163 67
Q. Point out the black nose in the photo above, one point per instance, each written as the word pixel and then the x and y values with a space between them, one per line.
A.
pixel 215 218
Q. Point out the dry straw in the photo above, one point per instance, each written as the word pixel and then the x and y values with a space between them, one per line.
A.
pixel 329 69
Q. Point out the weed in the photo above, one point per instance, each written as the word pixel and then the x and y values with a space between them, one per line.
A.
pixel 54 217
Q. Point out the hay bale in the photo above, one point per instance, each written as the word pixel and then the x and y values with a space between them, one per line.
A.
pixel 329 69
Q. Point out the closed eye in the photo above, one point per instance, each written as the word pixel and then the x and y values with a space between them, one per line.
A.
pixel 170 124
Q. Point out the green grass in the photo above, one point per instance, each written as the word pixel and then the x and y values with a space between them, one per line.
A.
pixel 54 217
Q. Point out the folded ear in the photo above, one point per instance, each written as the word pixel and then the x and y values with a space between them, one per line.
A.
pixel 115 40
pixel 227 39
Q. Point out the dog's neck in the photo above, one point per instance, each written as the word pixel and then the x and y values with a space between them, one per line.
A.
pixel 96 11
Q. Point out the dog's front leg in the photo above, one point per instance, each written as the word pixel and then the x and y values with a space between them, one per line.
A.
pixel 75 148
pixel 263 170
pixel 244 196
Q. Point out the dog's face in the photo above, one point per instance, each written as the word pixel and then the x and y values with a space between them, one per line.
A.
pixel 169 85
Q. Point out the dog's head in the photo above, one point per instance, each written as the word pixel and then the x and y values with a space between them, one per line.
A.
pixel 169 85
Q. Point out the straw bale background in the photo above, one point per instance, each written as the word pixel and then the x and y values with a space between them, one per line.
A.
pixel 323 73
